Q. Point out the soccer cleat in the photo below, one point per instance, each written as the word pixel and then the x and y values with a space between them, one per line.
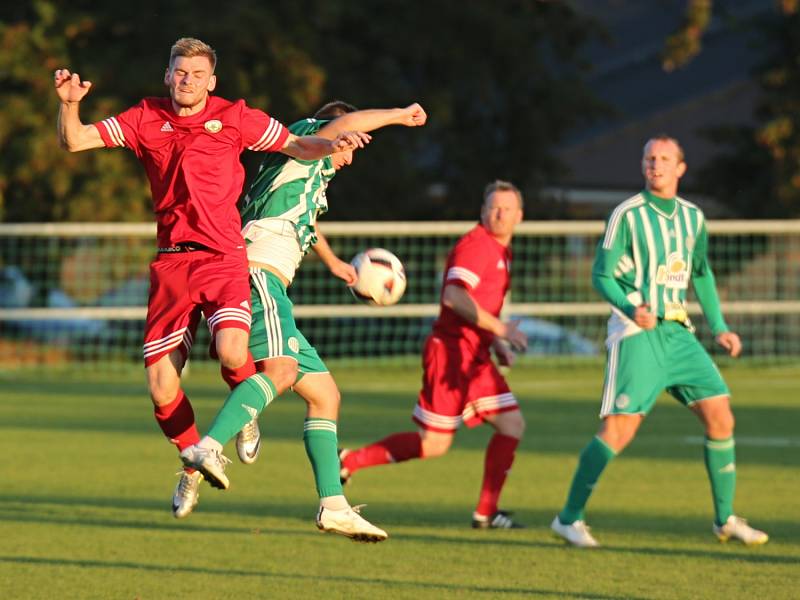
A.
pixel 186 493
pixel 344 474
pixel 349 523
pixel 209 462
pixel 737 528
pixel 248 442
pixel 576 533
pixel 499 520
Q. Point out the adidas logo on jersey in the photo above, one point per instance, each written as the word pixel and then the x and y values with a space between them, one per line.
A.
pixel 501 264
pixel 245 305
pixel 167 127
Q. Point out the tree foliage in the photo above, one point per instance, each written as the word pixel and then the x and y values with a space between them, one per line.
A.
pixel 501 82
pixel 759 173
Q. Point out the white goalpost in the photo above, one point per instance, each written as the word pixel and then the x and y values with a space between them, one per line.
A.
pixel 77 292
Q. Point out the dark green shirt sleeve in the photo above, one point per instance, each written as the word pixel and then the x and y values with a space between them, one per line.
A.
pixel 705 286
pixel 610 249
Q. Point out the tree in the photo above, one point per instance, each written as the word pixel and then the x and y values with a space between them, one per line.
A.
pixel 501 81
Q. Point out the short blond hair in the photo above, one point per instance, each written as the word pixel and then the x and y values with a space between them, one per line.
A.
pixel 498 185
pixel 191 47
pixel 663 137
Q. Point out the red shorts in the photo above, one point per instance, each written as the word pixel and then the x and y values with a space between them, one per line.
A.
pixel 184 285
pixel 459 385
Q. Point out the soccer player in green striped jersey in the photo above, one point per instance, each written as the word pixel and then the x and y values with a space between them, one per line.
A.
pixel 654 244
pixel 280 226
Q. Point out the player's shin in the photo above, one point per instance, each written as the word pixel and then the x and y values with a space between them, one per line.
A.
pixel 243 404
pixel 499 458
pixel 176 420
pixel 720 459
pixel 320 440
pixel 234 377
pixel 594 458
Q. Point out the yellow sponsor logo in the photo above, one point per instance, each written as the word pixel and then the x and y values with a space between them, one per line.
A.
pixel 674 274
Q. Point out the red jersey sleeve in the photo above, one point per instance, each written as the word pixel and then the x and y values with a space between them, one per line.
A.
pixel 467 264
pixel 122 129
pixel 262 133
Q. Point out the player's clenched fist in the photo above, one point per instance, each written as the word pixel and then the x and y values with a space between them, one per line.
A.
pixel 415 116
pixel 69 86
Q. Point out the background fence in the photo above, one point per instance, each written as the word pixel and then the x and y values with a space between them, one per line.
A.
pixel 75 294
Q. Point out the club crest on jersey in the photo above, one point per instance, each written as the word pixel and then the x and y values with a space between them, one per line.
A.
pixel 674 274
pixel 622 401
pixel 689 241
pixel 213 126
pixel 294 345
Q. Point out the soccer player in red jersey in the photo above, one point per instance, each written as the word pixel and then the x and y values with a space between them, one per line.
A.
pixel 460 382
pixel 189 144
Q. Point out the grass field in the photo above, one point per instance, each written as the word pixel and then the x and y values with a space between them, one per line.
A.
pixel 87 481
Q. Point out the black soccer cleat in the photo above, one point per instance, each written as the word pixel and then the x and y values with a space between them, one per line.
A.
pixel 499 520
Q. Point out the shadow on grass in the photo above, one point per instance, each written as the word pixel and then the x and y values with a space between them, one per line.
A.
pixel 226 573
pixel 438 520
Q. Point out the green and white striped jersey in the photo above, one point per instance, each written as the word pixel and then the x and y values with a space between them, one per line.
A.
pixel 651 249
pixel 291 190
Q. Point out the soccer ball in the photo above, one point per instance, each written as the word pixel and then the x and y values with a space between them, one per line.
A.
pixel 381 277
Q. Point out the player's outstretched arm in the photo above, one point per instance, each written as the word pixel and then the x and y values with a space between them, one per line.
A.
pixel 412 115
pixel 343 270
pixel 459 300
pixel 313 147
pixel 72 134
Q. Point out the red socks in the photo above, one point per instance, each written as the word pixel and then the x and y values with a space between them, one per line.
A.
pixel 234 377
pixel 176 420
pixel 499 458
pixel 395 448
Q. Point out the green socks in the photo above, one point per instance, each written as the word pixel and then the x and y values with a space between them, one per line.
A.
pixel 594 458
pixel 720 457
pixel 319 437
pixel 241 406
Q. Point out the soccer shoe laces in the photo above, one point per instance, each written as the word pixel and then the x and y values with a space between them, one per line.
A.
pixel 250 432
pixel 187 484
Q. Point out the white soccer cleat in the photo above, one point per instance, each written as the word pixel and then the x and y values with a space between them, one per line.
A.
pixel 248 442
pixel 186 493
pixel 576 533
pixel 737 528
pixel 209 462
pixel 349 523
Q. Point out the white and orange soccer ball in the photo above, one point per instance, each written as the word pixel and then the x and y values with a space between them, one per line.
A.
pixel 381 277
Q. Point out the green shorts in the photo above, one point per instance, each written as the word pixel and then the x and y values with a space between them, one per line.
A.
pixel 273 332
pixel 668 357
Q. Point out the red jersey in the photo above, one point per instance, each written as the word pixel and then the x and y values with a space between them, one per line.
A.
pixel 193 164
pixel 482 265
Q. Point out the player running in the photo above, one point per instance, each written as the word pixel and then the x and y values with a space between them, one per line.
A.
pixel 654 243
pixel 280 216
pixel 460 383
pixel 189 144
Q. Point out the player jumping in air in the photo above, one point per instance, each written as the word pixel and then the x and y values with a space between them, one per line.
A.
pixel 460 383
pixel 280 215
pixel 189 144
pixel 654 244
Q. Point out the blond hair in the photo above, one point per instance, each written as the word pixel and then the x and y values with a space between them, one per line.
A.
pixel 191 47
pixel 663 137
pixel 498 185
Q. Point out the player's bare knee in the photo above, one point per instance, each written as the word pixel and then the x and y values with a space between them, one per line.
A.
pixel 232 356
pixel 163 390
pixel 720 425
pixel 434 446
pixel 282 373
pixel 513 425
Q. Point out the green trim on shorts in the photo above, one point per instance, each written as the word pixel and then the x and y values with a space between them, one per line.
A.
pixel 669 357
pixel 273 331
